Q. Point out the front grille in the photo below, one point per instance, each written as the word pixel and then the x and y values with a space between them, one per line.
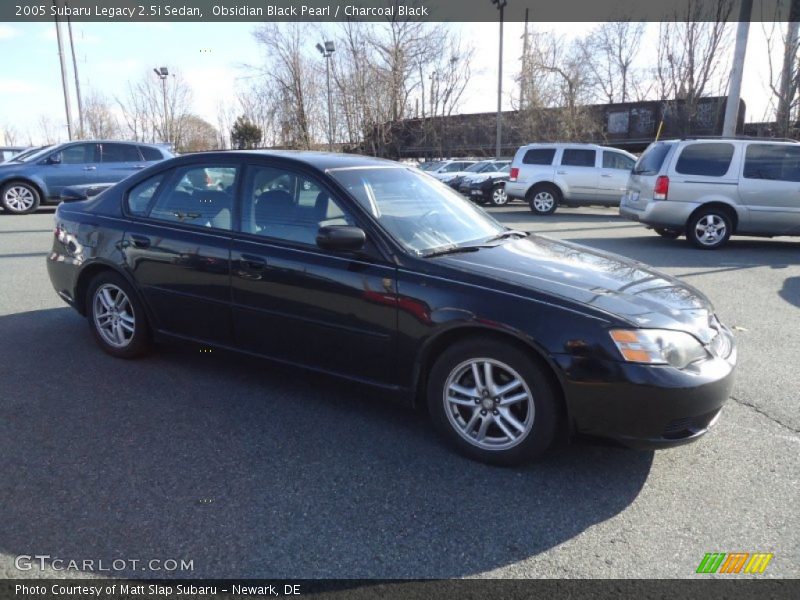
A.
pixel 687 426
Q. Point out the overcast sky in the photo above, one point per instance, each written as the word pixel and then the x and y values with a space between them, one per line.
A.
pixel 210 57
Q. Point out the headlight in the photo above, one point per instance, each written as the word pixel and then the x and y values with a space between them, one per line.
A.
pixel 658 347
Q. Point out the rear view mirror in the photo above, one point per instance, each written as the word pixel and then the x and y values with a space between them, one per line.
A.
pixel 341 238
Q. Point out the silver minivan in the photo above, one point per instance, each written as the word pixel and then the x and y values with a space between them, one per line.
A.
pixel 572 174
pixel 710 188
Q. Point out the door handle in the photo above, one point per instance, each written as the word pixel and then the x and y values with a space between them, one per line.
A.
pixel 253 263
pixel 140 241
pixel 561 172
pixel 139 166
pixel 605 175
pixel 90 168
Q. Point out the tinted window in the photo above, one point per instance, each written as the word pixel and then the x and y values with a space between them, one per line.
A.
pixel 650 162
pixel 453 167
pixel 615 160
pixel 711 160
pixel 139 197
pixel 540 156
pixel 284 205
pixel 112 153
pixel 776 162
pixel 573 157
pixel 150 153
pixel 194 195
pixel 79 154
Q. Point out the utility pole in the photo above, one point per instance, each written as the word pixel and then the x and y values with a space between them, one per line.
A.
pixel 523 80
pixel 501 4
pixel 326 51
pixel 739 52
pixel 64 85
pixel 162 73
pixel 77 79
pixel 788 86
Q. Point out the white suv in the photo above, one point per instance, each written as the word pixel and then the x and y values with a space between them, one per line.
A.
pixel 546 175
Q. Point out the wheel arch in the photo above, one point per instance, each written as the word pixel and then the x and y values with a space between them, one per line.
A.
pixel 438 343
pixel 37 185
pixel 92 270
pixel 726 207
pixel 540 184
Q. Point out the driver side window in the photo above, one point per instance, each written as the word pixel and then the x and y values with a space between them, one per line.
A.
pixel 281 204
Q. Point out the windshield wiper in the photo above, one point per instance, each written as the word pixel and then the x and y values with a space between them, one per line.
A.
pixel 507 234
pixel 457 250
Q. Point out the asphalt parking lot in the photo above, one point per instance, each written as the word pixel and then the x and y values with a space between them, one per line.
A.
pixel 251 470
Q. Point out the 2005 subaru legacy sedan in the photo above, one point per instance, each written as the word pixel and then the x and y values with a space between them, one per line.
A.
pixel 376 272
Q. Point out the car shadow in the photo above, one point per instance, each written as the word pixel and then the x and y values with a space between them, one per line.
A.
pixel 791 291
pixel 254 471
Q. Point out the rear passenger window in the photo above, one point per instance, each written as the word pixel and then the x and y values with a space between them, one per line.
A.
pixel 775 162
pixel 197 195
pixel 615 160
pixel 113 153
pixel 150 154
pixel 284 205
pixel 539 156
pixel 139 197
pixel 710 160
pixel 574 157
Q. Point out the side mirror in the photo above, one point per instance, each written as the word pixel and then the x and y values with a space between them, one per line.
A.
pixel 341 238
pixel 54 159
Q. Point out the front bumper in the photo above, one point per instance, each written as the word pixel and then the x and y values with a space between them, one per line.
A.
pixel 642 406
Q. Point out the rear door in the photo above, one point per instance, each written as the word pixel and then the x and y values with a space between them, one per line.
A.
pixel 118 161
pixel 614 174
pixel 178 247
pixel 705 172
pixel 769 189
pixel 577 174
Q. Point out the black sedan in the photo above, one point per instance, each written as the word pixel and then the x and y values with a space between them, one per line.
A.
pixel 372 271
pixel 487 188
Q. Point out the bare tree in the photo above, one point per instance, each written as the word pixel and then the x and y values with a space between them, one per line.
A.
pixel 785 83
pixel 610 51
pixel 692 53
pixel 9 135
pixel 144 111
pixel 100 122
pixel 197 135
pixel 48 130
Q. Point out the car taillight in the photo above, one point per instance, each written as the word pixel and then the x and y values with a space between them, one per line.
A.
pixel 513 174
pixel 661 189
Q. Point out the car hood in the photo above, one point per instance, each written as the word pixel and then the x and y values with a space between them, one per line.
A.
pixel 608 282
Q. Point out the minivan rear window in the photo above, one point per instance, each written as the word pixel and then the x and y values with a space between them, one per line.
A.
pixel 539 156
pixel 776 162
pixel 709 160
pixel 650 162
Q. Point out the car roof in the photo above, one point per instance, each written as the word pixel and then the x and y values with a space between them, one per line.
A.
pixel 322 161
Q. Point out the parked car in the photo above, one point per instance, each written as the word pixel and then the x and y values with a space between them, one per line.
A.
pixel 375 273
pixel 41 176
pixel 9 152
pixel 484 166
pixel 547 175
pixel 447 167
pixel 487 188
pixel 709 189
pixel 428 164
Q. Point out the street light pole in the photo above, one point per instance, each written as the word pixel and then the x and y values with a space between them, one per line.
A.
pixel 501 4
pixel 326 52
pixel 162 74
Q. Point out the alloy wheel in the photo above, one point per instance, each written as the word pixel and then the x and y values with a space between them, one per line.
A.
pixel 543 201
pixel 710 230
pixel 488 404
pixel 113 315
pixel 19 198
pixel 499 197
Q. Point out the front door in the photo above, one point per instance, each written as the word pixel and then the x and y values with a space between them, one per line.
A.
pixel 614 176
pixel 578 173
pixel 75 165
pixel 178 250
pixel 297 303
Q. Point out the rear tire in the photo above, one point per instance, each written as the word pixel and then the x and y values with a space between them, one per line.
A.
pixel 116 316
pixel 670 234
pixel 19 198
pixel 544 199
pixel 709 228
pixel 508 418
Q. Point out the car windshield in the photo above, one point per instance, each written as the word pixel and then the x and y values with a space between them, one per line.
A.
pixel 506 168
pixel 430 165
pixel 32 155
pixel 423 215
pixel 479 167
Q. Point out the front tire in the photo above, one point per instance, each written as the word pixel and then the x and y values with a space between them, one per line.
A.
pixel 709 229
pixel 117 317
pixel 544 199
pixel 19 198
pixel 499 196
pixel 491 402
